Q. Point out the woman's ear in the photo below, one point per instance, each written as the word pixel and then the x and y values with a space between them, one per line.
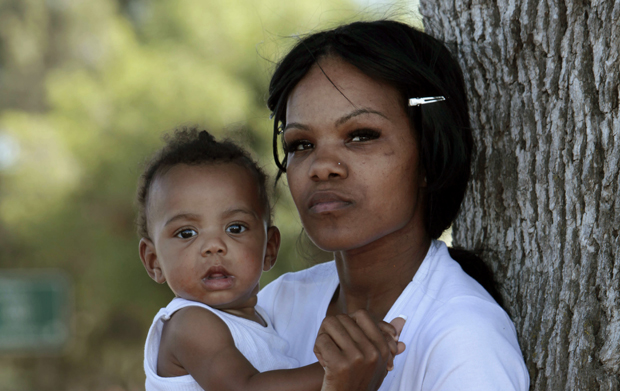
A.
pixel 150 261
pixel 273 246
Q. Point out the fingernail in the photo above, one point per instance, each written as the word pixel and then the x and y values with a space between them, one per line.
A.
pixel 402 316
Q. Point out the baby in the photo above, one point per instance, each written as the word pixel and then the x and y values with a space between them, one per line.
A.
pixel 205 222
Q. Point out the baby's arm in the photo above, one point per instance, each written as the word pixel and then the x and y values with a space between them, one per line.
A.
pixel 197 342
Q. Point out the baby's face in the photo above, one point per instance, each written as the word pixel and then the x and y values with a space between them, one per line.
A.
pixel 209 236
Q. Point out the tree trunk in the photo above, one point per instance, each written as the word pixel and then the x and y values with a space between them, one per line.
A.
pixel 543 80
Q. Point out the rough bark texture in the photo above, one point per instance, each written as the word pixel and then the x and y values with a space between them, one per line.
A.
pixel 543 79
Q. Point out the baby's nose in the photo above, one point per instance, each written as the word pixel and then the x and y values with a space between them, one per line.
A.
pixel 214 246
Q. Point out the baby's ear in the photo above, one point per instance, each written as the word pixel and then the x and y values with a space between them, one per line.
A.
pixel 149 260
pixel 273 246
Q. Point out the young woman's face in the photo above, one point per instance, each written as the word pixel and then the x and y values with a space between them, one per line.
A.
pixel 353 164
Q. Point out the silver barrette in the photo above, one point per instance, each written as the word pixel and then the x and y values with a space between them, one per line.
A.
pixel 423 101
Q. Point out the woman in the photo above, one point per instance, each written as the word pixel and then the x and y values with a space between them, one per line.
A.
pixel 377 177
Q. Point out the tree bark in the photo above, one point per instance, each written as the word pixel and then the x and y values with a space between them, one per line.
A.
pixel 543 80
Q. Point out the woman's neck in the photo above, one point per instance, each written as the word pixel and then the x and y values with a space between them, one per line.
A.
pixel 372 278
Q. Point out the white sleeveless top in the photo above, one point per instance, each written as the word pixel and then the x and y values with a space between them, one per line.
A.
pixel 262 346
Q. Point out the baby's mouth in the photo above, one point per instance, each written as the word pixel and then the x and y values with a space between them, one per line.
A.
pixel 217 278
pixel 217 271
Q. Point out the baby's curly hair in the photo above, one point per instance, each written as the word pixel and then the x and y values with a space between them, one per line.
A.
pixel 194 147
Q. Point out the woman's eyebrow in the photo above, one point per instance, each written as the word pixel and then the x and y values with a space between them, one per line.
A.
pixel 357 112
pixel 339 121
pixel 295 125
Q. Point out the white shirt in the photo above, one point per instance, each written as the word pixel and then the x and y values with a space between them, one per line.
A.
pixel 260 345
pixel 457 337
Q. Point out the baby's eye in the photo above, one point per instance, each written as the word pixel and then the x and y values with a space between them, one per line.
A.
pixel 298 145
pixel 236 228
pixel 364 135
pixel 186 233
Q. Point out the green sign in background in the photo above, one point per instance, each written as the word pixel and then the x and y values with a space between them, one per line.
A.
pixel 35 309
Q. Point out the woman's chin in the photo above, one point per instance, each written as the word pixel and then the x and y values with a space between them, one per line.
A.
pixel 329 243
pixel 369 237
pixel 336 242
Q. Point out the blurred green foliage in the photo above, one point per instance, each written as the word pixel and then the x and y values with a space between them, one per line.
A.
pixel 87 88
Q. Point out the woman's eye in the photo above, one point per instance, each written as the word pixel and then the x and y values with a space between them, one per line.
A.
pixel 186 234
pixel 236 229
pixel 300 145
pixel 364 135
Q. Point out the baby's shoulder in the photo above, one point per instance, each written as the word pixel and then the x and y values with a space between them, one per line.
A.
pixel 193 319
pixel 186 332
pixel 191 327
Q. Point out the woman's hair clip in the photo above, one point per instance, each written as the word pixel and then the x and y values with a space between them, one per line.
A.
pixel 423 101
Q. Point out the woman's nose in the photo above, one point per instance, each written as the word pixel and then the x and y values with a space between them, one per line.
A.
pixel 327 165
pixel 214 245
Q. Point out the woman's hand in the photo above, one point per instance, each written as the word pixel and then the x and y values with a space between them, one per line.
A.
pixel 392 330
pixel 355 352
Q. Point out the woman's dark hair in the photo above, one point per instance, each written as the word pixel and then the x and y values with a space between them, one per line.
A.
pixel 195 147
pixel 417 65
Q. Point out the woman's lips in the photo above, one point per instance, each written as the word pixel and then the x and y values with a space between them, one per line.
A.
pixel 327 201
pixel 217 278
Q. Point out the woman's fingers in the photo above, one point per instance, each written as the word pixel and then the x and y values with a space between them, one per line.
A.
pixel 398 323
pixel 397 326
pixel 354 357
pixel 324 347
pixel 393 328
pixel 391 337
pixel 355 351
pixel 389 331
pixel 386 346
pixel 345 333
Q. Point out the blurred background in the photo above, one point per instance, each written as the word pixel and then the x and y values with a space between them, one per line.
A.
pixel 87 89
